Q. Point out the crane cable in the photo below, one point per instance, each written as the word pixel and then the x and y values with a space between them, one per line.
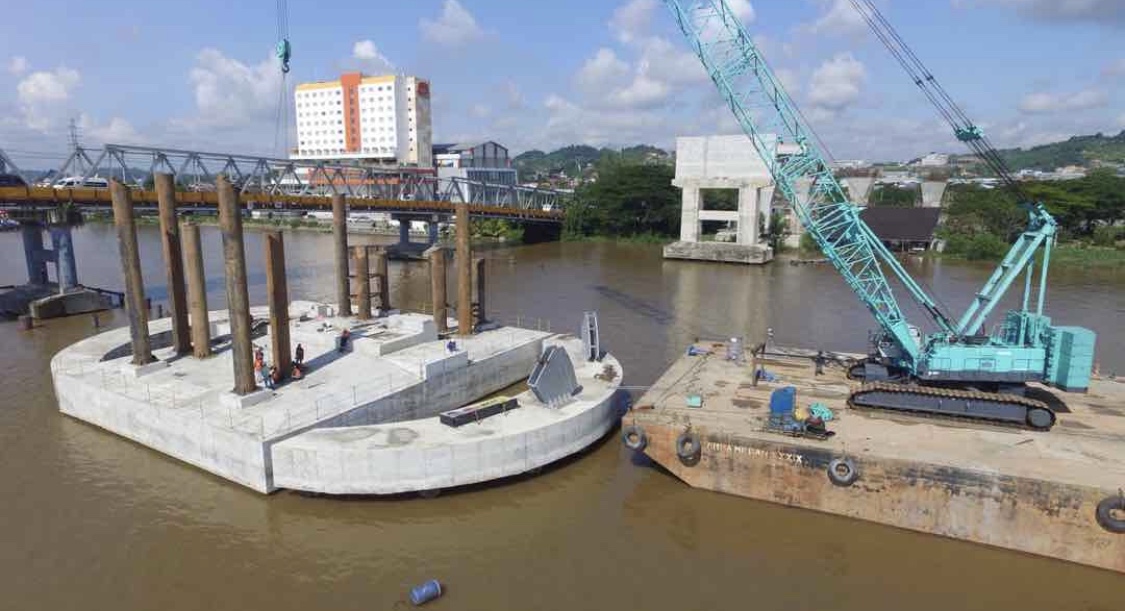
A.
pixel 963 127
pixel 283 52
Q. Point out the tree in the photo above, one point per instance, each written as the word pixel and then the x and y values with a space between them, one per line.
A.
pixel 627 200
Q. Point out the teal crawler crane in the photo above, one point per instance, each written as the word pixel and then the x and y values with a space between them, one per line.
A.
pixel 956 368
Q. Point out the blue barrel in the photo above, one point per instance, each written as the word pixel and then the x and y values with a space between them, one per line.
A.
pixel 425 592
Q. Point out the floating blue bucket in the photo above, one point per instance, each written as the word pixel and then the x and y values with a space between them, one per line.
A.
pixel 425 592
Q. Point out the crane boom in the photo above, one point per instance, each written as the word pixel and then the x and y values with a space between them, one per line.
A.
pixel 747 83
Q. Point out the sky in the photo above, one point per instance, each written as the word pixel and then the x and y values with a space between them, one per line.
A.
pixel 538 75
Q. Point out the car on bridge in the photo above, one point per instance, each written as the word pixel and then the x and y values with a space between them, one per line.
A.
pixel 77 182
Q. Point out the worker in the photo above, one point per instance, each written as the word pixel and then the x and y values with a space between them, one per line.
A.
pixel 299 355
pixel 296 374
pixel 342 340
pixel 451 346
pixel 819 361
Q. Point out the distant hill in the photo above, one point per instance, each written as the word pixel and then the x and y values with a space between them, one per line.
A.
pixel 576 159
pixel 1079 150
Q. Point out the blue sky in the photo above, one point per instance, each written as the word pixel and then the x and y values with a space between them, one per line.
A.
pixel 536 74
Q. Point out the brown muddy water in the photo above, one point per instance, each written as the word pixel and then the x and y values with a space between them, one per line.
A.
pixel 92 521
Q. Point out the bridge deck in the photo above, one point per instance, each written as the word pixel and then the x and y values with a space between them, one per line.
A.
pixel 44 196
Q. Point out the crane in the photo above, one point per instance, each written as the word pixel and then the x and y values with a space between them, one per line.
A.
pixel 956 369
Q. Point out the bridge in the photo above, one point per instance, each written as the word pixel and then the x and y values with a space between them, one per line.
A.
pixel 283 184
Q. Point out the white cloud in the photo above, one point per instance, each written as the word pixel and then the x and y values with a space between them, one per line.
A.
pixel 43 96
pixel 229 92
pixel 1098 11
pixel 835 84
pixel 631 20
pixel 454 27
pixel 480 111
pixel 17 65
pixel 838 17
pixel 115 131
pixel 602 72
pixel 370 57
pixel 1044 102
pixel 1121 121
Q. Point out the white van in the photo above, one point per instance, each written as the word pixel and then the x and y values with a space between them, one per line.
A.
pixel 76 182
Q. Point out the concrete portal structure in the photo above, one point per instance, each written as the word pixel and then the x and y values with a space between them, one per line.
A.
pixel 722 162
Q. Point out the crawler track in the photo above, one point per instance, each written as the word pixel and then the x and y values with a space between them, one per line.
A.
pixel 952 403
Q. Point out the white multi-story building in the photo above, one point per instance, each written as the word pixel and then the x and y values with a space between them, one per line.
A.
pixel 382 119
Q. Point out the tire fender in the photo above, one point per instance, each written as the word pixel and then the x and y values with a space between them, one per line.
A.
pixel 634 437
pixel 689 448
pixel 842 472
pixel 1105 513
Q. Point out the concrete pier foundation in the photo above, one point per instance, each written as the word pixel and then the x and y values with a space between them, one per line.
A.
pixel 173 262
pixel 437 257
pixel 135 305
pixel 197 291
pixel 340 242
pixel 362 282
pixel 464 272
pixel 721 162
pixel 277 291
pixel 238 298
pixel 382 281
pixel 40 297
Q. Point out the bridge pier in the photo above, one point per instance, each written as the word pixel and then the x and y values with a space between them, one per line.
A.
pixel 136 306
pixel 382 281
pixel 340 239
pixel 363 281
pixel 437 256
pixel 197 291
pixel 277 292
pixel 238 298
pixel 34 253
pixel 66 270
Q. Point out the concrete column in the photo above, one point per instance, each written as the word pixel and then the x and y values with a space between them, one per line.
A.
pixel 66 270
pixel 478 272
pixel 859 188
pixel 932 193
pixel 748 216
pixel 382 280
pixel 173 262
pixel 765 203
pixel 464 272
pixel 277 291
pixel 403 230
pixel 340 236
pixel 437 288
pixel 689 215
pixel 131 267
pixel 238 299
pixel 363 282
pixel 33 249
pixel 197 291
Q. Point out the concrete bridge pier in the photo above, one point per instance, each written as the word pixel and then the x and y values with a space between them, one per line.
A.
pixel 66 270
pixel 34 253
pixel 407 248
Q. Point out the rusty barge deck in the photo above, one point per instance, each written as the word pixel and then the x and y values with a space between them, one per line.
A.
pixel 1035 492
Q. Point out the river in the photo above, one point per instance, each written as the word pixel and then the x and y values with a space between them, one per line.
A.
pixel 92 521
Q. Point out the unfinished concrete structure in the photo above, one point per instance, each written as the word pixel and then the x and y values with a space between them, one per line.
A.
pixel 722 162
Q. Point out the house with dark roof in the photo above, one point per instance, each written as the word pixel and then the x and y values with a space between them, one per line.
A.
pixel 903 229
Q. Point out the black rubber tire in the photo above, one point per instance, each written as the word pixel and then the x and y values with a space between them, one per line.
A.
pixel 1105 514
pixel 634 437
pixel 689 448
pixel 1040 419
pixel 842 472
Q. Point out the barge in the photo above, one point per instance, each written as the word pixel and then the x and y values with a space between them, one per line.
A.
pixel 1053 493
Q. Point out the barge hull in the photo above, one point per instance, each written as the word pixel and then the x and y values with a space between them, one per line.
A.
pixel 1022 490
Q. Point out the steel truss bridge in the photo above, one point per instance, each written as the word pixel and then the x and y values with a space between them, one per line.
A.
pixel 266 182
